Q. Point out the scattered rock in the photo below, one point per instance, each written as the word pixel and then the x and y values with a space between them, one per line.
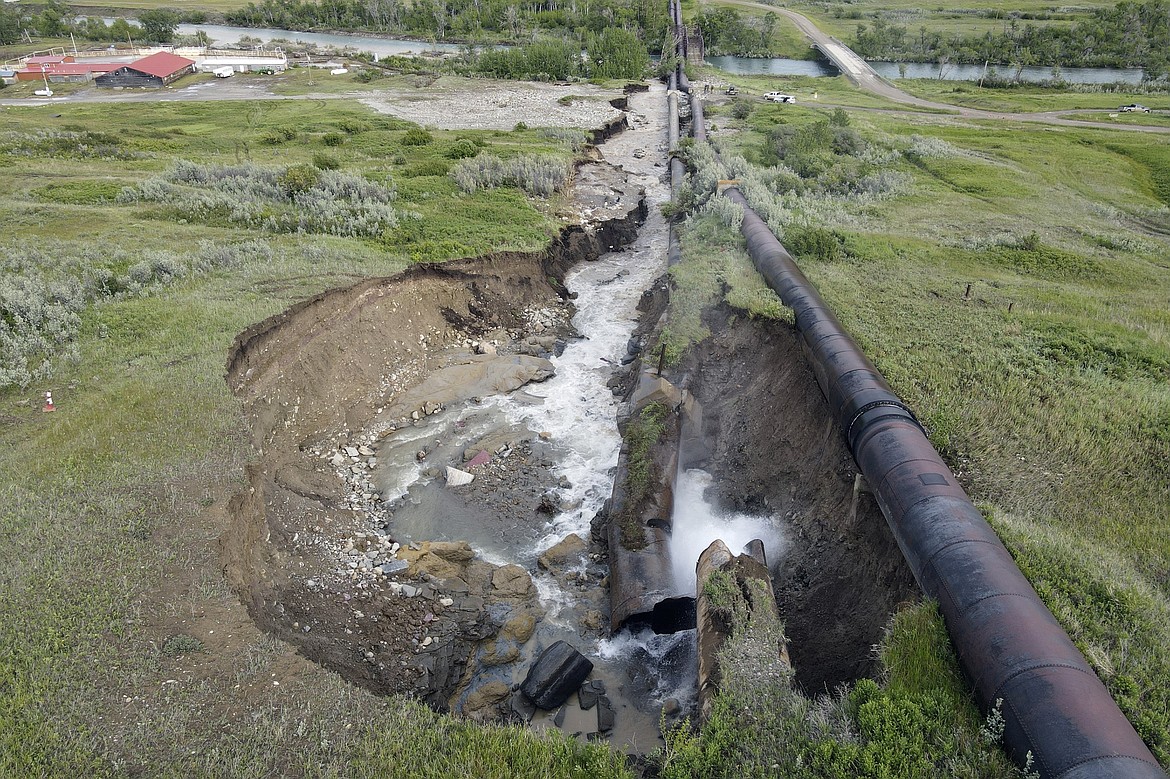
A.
pixel 520 627
pixel 605 714
pixel 452 551
pixel 481 702
pixel 522 707
pixel 512 581
pixel 569 550
pixel 589 693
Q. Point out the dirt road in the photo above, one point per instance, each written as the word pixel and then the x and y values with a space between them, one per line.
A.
pixel 860 73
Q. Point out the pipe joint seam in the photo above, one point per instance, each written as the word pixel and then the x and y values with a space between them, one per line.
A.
pixel 878 404
pixel 1036 667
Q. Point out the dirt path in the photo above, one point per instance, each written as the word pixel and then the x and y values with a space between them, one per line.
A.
pixel 447 103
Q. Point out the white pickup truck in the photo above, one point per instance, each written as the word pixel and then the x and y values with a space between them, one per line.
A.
pixel 779 97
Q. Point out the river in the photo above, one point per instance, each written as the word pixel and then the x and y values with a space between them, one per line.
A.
pixel 736 66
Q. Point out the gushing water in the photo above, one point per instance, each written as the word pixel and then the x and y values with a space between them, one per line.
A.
pixel 696 523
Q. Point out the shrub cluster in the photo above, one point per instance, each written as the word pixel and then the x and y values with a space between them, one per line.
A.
pixel 39 318
pixel 536 174
pixel 297 199
pixel 64 143
pixel 44 291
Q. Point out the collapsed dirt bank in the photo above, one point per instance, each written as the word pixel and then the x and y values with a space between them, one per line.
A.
pixel 333 379
pixel 773 449
pixel 382 585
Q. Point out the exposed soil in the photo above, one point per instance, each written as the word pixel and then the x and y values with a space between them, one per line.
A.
pixel 339 382
pixel 330 383
pixel 774 450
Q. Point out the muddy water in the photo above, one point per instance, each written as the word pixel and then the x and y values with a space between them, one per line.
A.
pixel 575 414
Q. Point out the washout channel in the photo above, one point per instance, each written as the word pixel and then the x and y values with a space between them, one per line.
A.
pixel 435 452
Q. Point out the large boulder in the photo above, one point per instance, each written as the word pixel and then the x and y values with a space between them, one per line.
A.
pixel 567 552
pixel 555 675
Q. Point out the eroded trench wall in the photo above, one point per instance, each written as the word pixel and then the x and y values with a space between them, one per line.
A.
pixel 316 371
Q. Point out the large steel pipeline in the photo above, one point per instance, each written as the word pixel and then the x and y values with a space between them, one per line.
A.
pixel 1054 706
pixel 1009 644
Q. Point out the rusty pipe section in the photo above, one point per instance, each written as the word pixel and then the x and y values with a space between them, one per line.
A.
pixel 1009 644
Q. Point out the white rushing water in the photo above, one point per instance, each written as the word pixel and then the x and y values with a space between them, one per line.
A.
pixel 579 409
pixel 696 523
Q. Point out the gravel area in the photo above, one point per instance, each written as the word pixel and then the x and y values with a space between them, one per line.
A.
pixel 499 105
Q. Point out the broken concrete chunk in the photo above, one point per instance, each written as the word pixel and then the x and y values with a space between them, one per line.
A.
pixel 457 478
pixel 554 676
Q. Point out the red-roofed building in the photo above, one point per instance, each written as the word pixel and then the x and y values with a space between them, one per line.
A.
pixel 66 71
pixel 157 70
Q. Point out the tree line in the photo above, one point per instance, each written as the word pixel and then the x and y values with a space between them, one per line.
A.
pixel 467 20
pixel 727 31
pixel 56 20
pixel 1129 34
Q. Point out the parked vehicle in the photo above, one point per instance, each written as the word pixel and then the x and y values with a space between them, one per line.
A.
pixel 46 92
pixel 732 90
pixel 1132 107
pixel 779 97
pixel 224 72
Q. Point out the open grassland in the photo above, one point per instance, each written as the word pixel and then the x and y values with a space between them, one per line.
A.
pixel 1025 98
pixel 1010 282
pixel 121 649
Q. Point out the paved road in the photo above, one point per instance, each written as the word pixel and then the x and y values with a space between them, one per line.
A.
pixel 860 73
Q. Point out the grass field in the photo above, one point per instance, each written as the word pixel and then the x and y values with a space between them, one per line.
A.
pixel 1032 98
pixel 1045 386
pixel 121 648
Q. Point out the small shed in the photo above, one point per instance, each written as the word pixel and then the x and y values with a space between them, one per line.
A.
pixel 155 71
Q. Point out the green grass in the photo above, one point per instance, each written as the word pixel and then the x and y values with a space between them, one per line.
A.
pixel 1027 98
pixel 1046 385
pixel 110 508
pixel 642 436
pixel 919 721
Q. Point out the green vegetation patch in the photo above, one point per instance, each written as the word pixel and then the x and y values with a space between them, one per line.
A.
pixel 1155 157
pixel 80 193
pixel 1104 349
pixel 715 267
pixel 441 747
pixel 1116 619
pixel 642 434
pixel 919 722
pixel 1028 256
